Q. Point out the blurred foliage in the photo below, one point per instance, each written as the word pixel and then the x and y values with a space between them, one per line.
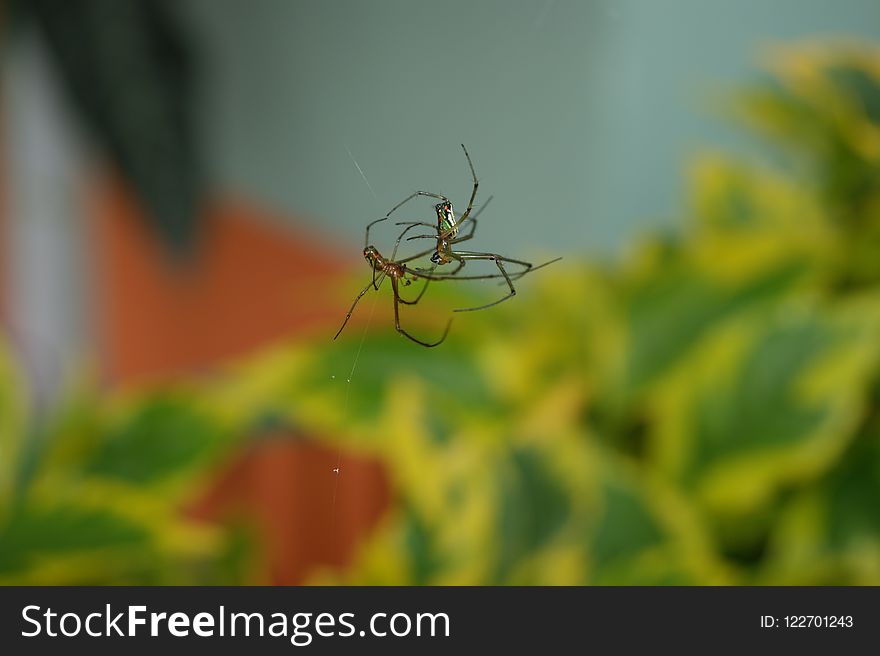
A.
pixel 704 411
pixel 133 87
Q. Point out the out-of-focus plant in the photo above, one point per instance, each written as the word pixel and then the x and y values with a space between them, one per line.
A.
pixel 704 411
pixel 97 496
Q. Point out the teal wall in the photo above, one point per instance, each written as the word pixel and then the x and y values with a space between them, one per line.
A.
pixel 578 115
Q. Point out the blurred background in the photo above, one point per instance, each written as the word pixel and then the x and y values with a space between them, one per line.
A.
pixel 689 397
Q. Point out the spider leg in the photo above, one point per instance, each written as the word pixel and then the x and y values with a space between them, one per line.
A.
pixel 358 298
pixel 458 268
pixel 409 226
pixel 378 282
pixel 415 194
pixel 421 293
pixel 470 255
pixel 535 268
pixel 473 222
pixel 470 235
pixel 398 206
pixel 497 259
pixel 520 274
pixel 425 273
pixel 467 212
pixel 416 256
pixel 398 327
pixel 370 225
pixel 415 223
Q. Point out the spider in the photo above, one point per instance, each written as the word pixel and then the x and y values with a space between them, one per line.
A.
pixel 399 273
pixel 446 236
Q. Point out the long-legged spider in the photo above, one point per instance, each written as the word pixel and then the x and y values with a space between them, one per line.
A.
pixel 400 274
pixel 397 273
pixel 446 237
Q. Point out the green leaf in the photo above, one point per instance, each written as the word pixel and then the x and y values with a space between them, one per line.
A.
pixel 164 437
pixel 853 492
pixel 669 313
pixel 37 532
pixel 759 409
pixel 533 508
pixel 625 528
pixel 421 550
pixel 859 84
